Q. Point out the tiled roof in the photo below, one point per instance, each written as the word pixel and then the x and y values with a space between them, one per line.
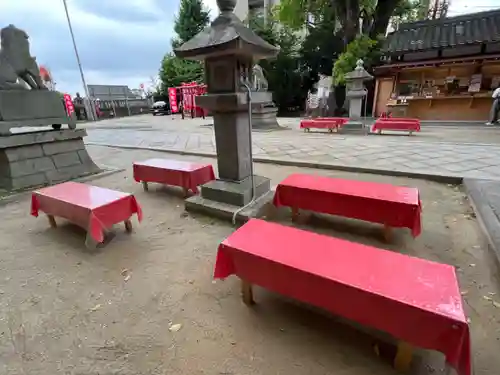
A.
pixel 468 29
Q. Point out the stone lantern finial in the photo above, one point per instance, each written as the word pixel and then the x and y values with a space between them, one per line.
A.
pixel 226 6
pixel 359 64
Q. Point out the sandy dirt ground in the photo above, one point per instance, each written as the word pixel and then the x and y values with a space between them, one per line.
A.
pixel 66 310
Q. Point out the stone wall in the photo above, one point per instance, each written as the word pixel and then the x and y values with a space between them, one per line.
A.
pixel 42 158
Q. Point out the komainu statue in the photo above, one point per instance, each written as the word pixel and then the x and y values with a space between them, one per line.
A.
pixel 16 61
pixel 259 80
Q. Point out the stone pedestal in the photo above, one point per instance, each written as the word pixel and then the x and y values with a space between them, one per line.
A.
pixel 356 92
pixel 355 124
pixel 233 189
pixel 42 158
pixel 265 118
pixel 29 108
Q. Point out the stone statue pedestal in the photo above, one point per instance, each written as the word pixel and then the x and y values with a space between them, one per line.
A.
pixel 20 108
pixel 42 158
pixel 356 92
pixel 264 118
pixel 36 158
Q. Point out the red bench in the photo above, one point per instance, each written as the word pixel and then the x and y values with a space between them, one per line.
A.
pixel 173 172
pixel 330 123
pixel 416 301
pixel 93 208
pixel 392 206
pixel 396 124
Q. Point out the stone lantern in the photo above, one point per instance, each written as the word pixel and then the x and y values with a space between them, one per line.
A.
pixel 228 49
pixel 355 94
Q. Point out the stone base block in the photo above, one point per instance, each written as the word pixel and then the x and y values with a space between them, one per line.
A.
pixel 43 158
pixel 235 193
pixel 265 118
pixel 226 211
pixel 353 127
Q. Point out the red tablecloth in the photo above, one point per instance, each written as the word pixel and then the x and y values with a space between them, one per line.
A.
pixel 395 206
pixel 414 300
pixel 399 119
pixel 174 172
pixel 323 122
pixel 395 124
pixel 307 124
pixel 92 208
pixel 338 121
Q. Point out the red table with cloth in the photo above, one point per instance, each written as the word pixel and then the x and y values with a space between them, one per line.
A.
pixel 330 123
pixel 414 300
pixel 396 119
pixel 90 207
pixel 396 124
pixel 337 120
pixel 393 206
pixel 174 172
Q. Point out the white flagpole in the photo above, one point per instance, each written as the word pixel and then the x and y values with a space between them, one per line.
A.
pixel 91 104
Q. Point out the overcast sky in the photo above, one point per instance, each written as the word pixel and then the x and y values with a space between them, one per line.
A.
pixel 119 41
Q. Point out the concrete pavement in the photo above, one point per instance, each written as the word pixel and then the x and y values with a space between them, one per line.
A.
pixel 454 152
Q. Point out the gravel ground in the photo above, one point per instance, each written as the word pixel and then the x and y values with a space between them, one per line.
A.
pixel 146 303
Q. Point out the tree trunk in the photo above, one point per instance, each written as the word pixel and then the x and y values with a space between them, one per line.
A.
pixel 352 18
pixel 381 17
pixel 367 23
pixel 348 12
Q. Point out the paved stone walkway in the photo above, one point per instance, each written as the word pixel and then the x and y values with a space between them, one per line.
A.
pixel 426 153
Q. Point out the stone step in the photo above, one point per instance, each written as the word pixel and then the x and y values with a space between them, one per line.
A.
pixel 354 127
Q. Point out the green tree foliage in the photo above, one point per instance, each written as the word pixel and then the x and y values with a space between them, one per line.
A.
pixel 192 18
pixel 282 73
pixel 322 45
pixel 359 48
pixel 362 24
pixel 409 11
pixel 175 71
pixel 375 15
pixel 366 45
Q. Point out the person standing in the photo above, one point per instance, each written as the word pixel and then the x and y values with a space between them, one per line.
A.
pixel 495 107
pixel 312 103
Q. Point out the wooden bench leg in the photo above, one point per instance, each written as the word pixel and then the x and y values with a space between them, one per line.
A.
pixel 411 133
pixel 145 186
pixel 247 293
pixel 388 234
pixel 128 226
pixel 90 243
pixel 52 221
pixel 295 213
pixel 404 355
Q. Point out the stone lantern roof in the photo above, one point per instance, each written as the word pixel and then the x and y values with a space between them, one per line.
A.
pixel 227 35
